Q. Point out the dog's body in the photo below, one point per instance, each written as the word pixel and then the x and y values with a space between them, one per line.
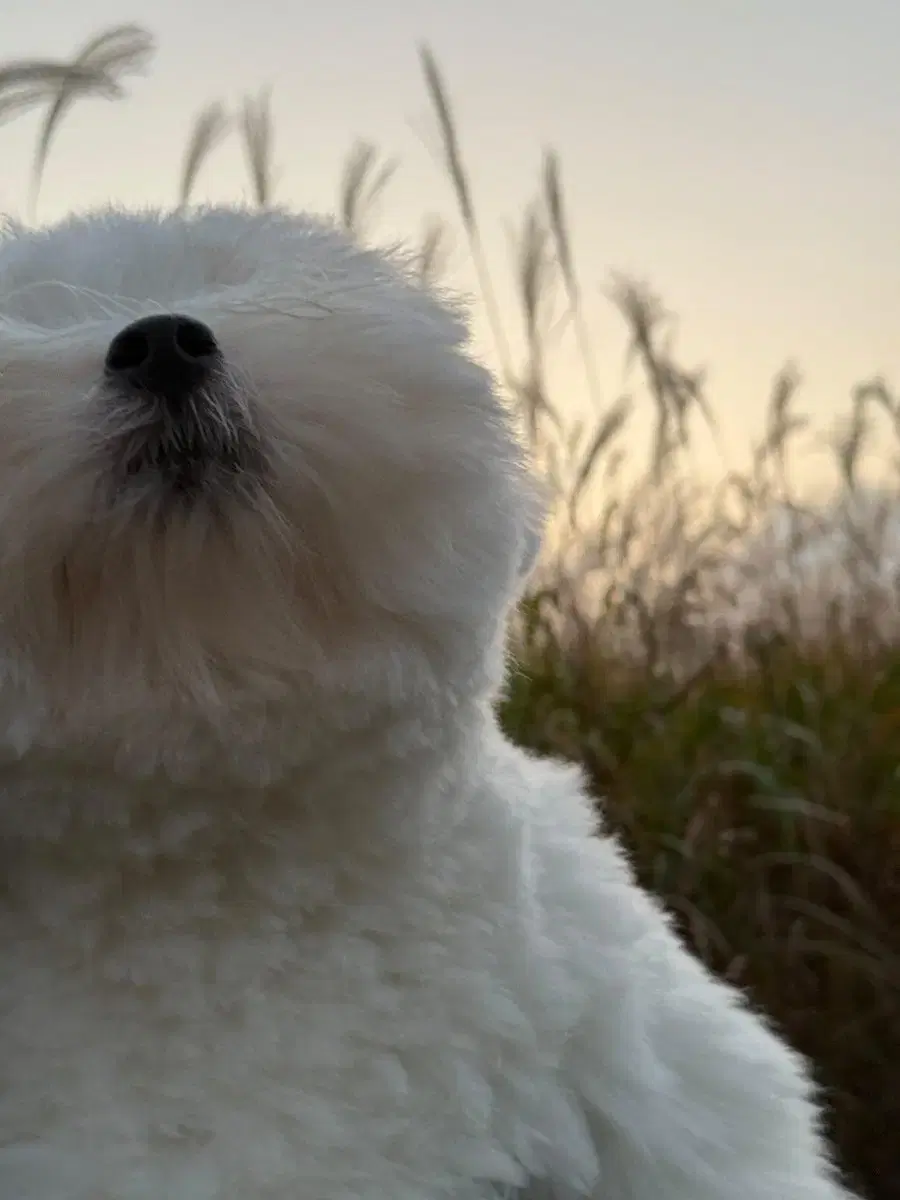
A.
pixel 283 916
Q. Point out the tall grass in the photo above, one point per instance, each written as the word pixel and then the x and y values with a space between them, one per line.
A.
pixel 723 660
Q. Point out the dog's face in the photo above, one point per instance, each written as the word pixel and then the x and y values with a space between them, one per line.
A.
pixel 242 461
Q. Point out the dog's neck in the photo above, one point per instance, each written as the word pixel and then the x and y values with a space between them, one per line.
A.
pixel 399 769
pixel 99 856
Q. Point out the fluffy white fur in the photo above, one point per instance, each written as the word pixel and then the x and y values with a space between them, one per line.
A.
pixel 282 914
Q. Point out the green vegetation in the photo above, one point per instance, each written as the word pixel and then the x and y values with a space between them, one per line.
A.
pixel 723 661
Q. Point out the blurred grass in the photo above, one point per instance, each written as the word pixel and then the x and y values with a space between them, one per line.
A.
pixel 723 660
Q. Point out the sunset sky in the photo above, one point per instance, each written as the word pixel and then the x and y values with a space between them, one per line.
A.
pixel 742 157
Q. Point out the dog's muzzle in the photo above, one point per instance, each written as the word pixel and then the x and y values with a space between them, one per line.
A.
pixel 177 406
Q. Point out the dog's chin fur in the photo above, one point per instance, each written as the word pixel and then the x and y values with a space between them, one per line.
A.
pixel 283 915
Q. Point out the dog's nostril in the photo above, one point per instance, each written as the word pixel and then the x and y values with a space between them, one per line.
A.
pixel 128 350
pixel 194 340
pixel 168 354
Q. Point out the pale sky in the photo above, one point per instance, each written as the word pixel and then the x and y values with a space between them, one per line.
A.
pixel 742 157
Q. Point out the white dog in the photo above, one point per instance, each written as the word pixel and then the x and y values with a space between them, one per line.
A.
pixel 282 914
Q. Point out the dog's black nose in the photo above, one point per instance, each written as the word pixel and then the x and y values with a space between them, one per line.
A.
pixel 169 355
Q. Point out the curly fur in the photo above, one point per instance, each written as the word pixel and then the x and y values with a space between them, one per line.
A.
pixel 283 915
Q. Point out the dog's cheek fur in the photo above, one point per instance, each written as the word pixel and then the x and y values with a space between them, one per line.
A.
pixel 406 451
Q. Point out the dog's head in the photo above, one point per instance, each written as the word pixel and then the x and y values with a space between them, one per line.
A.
pixel 244 463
